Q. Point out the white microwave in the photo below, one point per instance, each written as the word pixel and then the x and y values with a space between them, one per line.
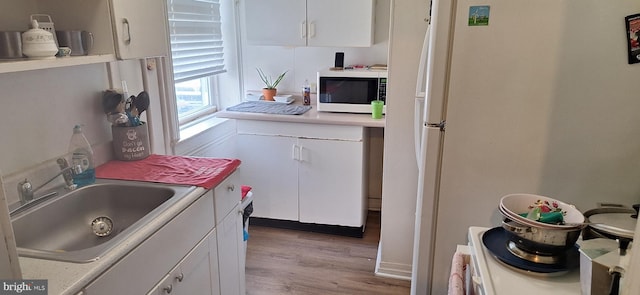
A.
pixel 351 91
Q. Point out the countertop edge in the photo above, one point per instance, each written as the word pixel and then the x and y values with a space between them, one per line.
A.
pixel 311 117
pixel 70 278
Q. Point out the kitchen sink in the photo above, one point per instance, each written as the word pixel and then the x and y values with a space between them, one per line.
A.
pixel 84 224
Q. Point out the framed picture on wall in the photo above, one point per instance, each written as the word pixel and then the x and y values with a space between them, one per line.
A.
pixel 633 37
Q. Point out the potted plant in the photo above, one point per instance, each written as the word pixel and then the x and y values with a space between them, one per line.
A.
pixel 269 91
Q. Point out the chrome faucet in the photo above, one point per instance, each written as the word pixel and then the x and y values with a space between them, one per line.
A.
pixel 26 190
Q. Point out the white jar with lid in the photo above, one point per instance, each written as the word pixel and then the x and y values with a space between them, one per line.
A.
pixel 38 43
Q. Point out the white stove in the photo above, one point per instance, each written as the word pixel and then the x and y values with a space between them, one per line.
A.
pixel 493 277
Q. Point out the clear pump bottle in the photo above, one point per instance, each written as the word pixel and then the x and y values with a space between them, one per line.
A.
pixel 82 154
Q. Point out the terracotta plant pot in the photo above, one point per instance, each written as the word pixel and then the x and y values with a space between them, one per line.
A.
pixel 268 93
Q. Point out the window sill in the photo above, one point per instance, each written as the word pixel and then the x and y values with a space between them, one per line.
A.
pixel 202 133
pixel 199 126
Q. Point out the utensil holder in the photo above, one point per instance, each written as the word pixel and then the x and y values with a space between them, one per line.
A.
pixel 130 143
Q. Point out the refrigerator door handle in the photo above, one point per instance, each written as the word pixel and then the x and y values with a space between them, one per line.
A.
pixel 422 66
pixel 421 93
pixel 417 126
pixel 442 125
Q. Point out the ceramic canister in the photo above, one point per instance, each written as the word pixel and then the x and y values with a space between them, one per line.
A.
pixel 38 43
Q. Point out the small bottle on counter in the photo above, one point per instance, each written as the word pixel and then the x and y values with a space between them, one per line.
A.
pixel 306 93
pixel 82 154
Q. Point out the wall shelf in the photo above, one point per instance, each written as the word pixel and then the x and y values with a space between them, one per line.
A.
pixel 19 65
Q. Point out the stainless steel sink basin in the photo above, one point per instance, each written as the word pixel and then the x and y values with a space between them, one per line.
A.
pixel 62 229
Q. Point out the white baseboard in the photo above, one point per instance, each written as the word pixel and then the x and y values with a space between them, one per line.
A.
pixel 392 270
pixel 375 203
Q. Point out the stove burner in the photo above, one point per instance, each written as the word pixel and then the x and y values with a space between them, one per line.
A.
pixel 496 241
pixel 537 258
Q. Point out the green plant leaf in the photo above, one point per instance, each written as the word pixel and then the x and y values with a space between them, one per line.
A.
pixel 268 81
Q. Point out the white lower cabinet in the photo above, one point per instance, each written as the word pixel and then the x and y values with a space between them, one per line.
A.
pixel 142 268
pixel 331 182
pixel 230 235
pixel 268 166
pixel 230 243
pixel 197 252
pixel 196 273
pixel 310 173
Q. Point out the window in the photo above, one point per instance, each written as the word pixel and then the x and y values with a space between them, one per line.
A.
pixel 195 31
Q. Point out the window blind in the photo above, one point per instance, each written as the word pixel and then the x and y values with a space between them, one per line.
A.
pixel 195 33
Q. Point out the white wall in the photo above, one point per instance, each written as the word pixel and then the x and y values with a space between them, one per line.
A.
pixel 400 171
pixel 40 108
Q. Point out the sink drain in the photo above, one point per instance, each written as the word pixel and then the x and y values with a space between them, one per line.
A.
pixel 102 226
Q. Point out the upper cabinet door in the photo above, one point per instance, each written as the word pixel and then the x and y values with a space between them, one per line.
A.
pixel 340 23
pixel 334 23
pixel 140 28
pixel 276 22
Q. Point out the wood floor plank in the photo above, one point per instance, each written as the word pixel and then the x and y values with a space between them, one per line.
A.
pixel 281 261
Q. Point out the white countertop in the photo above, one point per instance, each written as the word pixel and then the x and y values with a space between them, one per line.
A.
pixel 70 278
pixel 311 117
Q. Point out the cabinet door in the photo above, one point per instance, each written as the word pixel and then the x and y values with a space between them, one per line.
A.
pixel 214 263
pixel 146 264
pixel 164 287
pixel 343 23
pixel 230 243
pixel 275 22
pixel 194 276
pixel 331 184
pixel 194 273
pixel 140 28
pixel 268 167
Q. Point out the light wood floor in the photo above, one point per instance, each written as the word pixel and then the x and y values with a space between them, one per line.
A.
pixel 281 261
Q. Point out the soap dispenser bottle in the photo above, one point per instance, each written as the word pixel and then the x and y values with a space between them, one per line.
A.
pixel 82 155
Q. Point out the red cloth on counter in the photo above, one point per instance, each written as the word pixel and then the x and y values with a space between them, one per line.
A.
pixel 203 172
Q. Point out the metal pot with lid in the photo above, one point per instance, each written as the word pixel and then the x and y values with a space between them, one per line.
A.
pixel 601 273
pixel 610 223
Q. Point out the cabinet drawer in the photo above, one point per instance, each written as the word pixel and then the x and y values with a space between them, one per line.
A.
pixel 226 196
pixel 315 131
pixel 145 265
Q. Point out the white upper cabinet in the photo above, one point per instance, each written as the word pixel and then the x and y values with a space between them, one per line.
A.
pixel 340 23
pixel 276 22
pixel 121 29
pixel 140 28
pixel 330 23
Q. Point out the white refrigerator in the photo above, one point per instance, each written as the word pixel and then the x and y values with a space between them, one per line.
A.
pixel 521 96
